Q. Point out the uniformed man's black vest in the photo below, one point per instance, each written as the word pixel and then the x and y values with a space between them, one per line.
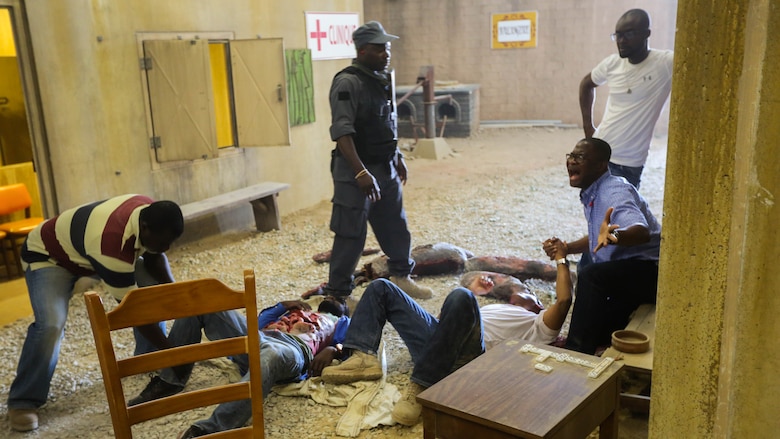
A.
pixel 375 123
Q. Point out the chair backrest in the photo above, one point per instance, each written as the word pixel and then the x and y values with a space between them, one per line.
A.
pixel 157 303
pixel 13 198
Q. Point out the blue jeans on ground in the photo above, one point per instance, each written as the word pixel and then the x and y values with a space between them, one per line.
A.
pixel 630 173
pixel 50 291
pixel 217 326
pixel 281 360
pixel 437 347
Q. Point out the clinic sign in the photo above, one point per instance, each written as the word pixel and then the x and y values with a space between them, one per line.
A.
pixel 513 30
pixel 329 34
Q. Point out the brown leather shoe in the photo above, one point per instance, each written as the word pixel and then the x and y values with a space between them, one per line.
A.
pixel 360 366
pixel 23 419
pixel 407 410
pixel 411 288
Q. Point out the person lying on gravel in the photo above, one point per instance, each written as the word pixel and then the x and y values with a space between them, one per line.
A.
pixel 439 346
pixel 295 342
pixel 488 283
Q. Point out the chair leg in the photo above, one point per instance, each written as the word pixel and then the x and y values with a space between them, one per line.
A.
pixel 5 259
pixel 17 257
pixel 17 254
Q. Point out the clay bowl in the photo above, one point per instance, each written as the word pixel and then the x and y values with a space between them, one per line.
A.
pixel 630 342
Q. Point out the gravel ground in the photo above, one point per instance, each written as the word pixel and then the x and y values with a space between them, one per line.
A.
pixel 501 192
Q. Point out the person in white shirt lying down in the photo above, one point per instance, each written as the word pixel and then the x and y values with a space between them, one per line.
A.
pixel 439 346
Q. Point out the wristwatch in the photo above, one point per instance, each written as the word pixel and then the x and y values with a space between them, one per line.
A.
pixel 562 261
pixel 616 234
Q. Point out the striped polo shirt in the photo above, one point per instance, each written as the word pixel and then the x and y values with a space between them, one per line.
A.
pixel 100 238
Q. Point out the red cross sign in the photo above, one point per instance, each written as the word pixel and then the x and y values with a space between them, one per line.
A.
pixel 329 34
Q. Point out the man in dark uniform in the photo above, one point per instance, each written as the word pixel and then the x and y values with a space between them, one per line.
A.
pixel 367 167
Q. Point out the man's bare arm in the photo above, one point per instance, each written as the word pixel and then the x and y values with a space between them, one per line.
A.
pixel 556 314
pixel 157 266
pixel 587 98
pixel 578 246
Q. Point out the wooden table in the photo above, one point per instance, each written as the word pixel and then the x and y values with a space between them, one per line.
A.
pixel 501 395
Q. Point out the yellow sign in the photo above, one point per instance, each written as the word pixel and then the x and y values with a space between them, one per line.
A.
pixel 512 30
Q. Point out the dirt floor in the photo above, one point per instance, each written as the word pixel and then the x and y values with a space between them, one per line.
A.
pixel 502 192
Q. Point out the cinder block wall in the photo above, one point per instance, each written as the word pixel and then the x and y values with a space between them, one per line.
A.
pixel 534 83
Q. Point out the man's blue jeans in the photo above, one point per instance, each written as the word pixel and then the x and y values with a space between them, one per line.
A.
pixel 50 291
pixel 216 326
pixel 281 360
pixel 437 346
pixel 631 173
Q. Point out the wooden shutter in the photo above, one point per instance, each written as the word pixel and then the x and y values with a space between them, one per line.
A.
pixel 181 98
pixel 260 92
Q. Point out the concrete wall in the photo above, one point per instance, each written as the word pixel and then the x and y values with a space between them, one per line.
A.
pixel 86 53
pixel 532 83
pixel 717 357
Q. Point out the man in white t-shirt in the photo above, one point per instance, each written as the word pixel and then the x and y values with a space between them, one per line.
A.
pixel 524 316
pixel 639 80
pixel 440 345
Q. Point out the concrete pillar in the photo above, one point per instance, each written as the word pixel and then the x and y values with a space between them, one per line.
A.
pixel 717 354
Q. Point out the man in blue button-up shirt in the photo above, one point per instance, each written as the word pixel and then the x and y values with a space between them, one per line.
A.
pixel 623 240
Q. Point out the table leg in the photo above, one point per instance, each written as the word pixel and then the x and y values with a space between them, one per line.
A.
pixel 609 426
pixel 429 423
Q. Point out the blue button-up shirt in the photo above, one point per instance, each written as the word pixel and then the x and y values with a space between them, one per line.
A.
pixel 629 208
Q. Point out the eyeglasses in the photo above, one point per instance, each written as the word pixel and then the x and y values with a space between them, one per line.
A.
pixel 627 35
pixel 575 157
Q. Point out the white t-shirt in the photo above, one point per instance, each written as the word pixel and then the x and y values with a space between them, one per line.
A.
pixel 501 321
pixel 637 94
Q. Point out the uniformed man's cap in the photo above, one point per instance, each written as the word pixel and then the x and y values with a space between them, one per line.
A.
pixel 371 33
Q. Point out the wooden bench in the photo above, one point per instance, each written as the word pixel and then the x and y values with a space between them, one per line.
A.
pixel 262 196
pixel 643 320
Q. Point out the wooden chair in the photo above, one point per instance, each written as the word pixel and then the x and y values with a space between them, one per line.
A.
pixel 171 301
pixel 16 198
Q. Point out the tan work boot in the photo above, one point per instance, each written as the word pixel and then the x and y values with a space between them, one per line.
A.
pixel 411 288
pixel 360 366
pixel 407 410
pixel 23 419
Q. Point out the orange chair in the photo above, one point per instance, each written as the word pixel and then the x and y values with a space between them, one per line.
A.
pixel 15 198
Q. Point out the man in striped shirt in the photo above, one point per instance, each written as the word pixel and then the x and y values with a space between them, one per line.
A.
pixel 122 241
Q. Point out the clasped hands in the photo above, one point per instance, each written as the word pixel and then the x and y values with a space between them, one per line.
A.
pixel 555 248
